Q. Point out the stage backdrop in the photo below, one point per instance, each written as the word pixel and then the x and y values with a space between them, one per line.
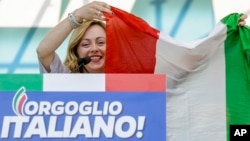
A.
pixel 83 107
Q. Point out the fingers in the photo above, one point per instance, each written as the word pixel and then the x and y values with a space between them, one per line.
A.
pixel 242 19
pixel 242 23
pixel 95 9
pixel 101 7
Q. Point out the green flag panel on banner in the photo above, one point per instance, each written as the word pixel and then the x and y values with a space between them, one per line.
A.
pixel 32 82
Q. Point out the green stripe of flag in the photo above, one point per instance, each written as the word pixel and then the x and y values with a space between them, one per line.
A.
pixel 237 74
pixel 13 82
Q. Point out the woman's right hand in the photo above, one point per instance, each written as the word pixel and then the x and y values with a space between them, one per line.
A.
pixel 93 10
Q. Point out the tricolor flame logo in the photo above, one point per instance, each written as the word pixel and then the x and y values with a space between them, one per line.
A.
pixel 18 101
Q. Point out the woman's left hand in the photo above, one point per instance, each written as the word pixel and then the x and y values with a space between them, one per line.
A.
pixel 242 20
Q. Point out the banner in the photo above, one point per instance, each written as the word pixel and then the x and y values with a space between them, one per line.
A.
pixel 84 115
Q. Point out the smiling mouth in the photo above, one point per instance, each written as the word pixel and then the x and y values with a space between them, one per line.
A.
pixel 95 58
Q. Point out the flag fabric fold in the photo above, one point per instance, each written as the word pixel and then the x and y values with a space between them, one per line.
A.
pixel 243 32
pixel 208 80
pixel 131 43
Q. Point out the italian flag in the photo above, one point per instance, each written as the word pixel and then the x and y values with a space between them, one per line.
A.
pixel 208 80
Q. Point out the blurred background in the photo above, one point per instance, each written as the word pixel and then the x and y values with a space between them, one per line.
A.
pixel 23 23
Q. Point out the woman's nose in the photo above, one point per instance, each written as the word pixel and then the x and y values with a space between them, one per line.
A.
pixel 94 47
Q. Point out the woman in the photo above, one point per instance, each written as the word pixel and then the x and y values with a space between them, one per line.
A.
pixel 88 39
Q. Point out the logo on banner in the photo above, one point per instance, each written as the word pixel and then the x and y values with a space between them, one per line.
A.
pixel 18 101
pixel 85 118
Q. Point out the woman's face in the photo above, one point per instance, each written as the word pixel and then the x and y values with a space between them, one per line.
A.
pixel 93 44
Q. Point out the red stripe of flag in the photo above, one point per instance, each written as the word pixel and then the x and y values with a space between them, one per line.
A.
pixel 136 82
pixel 131 43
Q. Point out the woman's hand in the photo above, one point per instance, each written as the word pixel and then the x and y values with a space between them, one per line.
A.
pixel 242 19
pixel 93 10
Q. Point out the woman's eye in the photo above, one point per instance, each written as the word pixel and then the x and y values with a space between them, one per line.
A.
pixel 85 45
pixel 101 43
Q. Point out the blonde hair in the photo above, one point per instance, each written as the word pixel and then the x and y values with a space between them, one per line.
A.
pixel 75 39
